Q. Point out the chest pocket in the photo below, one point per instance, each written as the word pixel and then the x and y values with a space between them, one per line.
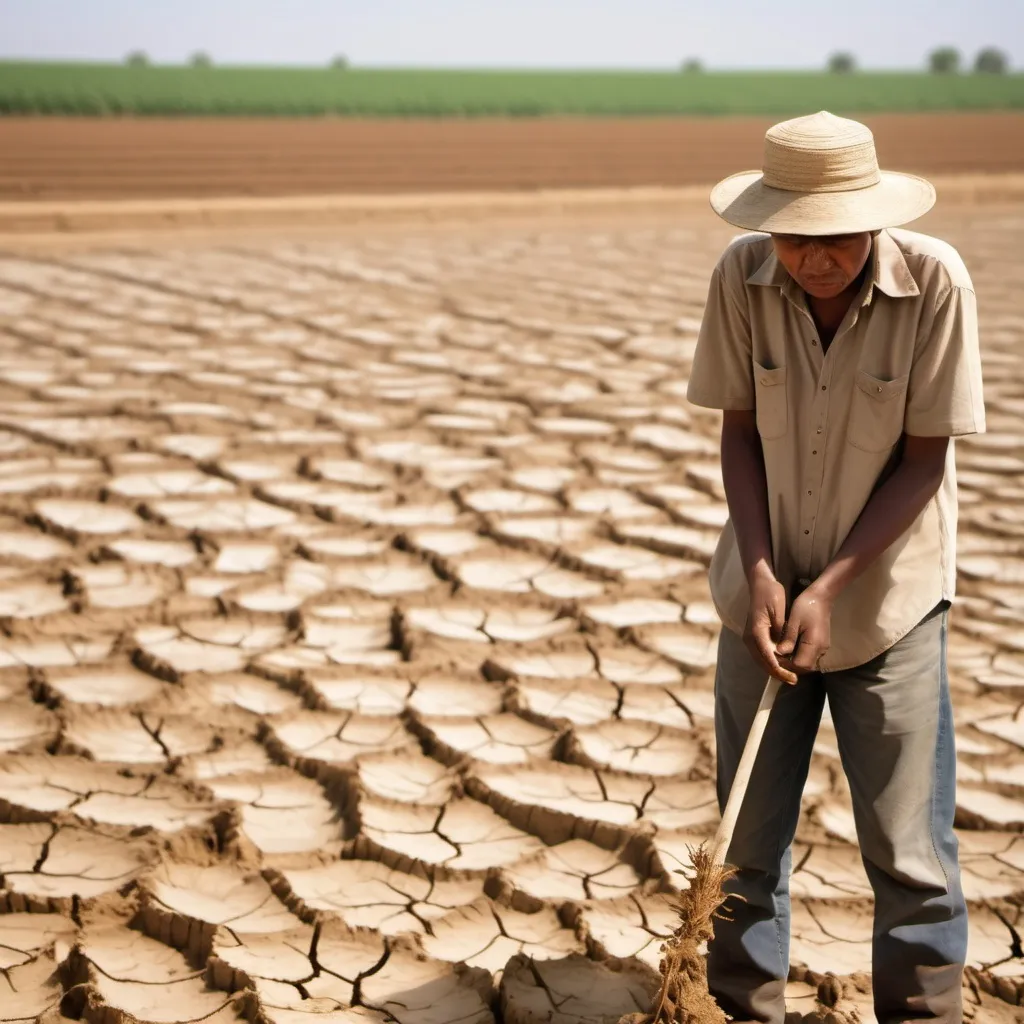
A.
pixel 770 403
pixel 876 413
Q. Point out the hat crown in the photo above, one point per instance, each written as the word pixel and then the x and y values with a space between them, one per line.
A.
pixel 820 153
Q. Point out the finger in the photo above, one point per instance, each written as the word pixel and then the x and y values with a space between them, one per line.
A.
pixel 788 666
pixel 785 675
pixel 761 653
pixel 807 656
pixel 760 630
pixel 770 662
pixel 790 636
pixel 762 647
pixel 777 614
pixel 754 649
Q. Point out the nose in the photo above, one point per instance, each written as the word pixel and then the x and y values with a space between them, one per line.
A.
pixel 818 259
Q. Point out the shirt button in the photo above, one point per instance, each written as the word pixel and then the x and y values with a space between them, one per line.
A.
pixel 879 390
pixel 815 452
pixel 810 492
pixel 819 430
pixel 806 532
pixel 814 343
pixel 823 388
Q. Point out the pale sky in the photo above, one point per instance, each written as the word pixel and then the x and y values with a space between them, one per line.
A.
pixel 512 33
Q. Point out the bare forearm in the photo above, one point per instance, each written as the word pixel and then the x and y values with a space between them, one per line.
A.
pixel 889 513
pixel 746 492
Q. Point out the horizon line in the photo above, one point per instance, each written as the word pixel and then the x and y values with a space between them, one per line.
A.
pixel 490 68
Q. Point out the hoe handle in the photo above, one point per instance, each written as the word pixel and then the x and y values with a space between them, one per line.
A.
pixel 723 837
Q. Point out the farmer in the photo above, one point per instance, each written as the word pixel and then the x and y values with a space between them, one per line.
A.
pixel 845 357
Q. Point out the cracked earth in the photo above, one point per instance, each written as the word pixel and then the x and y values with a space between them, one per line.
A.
pixel 356 651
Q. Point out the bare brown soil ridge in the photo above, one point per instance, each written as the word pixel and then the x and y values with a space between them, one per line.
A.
pixel 63 158
pixel 408 209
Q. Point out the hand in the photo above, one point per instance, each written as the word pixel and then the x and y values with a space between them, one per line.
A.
pixel 808 632
pixel 765 622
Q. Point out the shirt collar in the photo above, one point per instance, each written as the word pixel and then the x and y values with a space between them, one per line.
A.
pixel 890 273
pixel 771 273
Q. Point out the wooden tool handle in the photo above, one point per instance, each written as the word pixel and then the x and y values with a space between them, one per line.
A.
pixel 723 837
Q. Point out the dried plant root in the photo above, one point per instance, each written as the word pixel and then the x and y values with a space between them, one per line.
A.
pixel 683 997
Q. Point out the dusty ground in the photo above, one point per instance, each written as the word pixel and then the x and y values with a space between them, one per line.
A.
pixel 46 158
pixel 355 628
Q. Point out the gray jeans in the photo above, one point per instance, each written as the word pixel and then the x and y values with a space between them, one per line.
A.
pixel 894 726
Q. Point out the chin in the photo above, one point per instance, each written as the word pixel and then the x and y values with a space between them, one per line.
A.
pixel 827 290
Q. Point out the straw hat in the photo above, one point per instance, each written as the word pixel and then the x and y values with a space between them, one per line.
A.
pixel 821 177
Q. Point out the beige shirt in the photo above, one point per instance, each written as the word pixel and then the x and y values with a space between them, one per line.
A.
pixel 904 360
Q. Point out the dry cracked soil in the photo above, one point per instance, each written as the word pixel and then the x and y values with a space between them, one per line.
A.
pixel 355 642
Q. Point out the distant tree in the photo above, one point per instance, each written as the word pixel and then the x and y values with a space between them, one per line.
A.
pixel 944 61
pixel 991 61
pixel 691 66
pixel 340 63
pixel 137 59
pixel 842 63
pixel 199 59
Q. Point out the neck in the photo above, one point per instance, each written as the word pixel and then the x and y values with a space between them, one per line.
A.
pixel 829 313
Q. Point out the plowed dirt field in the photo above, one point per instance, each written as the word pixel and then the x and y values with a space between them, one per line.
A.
pixel 356 653
pixel 48 158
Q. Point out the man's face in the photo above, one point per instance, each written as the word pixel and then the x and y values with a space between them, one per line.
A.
pixel 824 266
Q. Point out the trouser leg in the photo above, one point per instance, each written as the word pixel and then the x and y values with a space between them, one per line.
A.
pixel 893 722
pixel 748 959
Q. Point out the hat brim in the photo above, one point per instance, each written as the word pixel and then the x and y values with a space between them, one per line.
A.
pixel 746 202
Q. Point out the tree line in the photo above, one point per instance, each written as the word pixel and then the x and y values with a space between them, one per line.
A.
pixel 201 59
pixel 945 60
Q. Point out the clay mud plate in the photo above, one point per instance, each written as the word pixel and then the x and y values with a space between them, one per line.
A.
pixel 356 653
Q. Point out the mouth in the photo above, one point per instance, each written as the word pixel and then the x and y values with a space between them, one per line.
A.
pixel 821 282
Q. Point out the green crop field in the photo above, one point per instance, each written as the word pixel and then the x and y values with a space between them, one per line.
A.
pixel 100 89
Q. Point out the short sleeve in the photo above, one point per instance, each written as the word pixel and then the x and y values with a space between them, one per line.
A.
pixel 945 397
pixel 722 374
